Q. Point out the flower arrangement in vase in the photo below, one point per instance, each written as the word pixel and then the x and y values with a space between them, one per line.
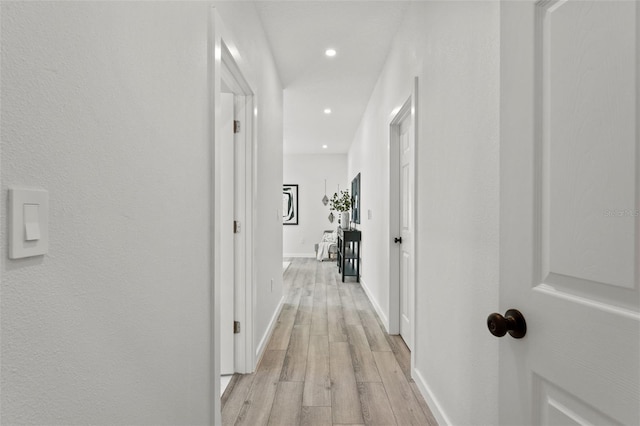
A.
pixel 341 203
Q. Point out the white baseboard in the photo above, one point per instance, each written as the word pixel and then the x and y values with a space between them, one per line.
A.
pixel 376 306
pixel 431 400
pixel 312 254
pixel 267 334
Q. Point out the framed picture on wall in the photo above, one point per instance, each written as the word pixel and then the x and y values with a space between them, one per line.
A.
pixel 289 204
pixel 355 201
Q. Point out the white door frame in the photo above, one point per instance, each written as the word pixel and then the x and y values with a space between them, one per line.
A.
pixel 408 108
pixel 243 179
pixel 226 66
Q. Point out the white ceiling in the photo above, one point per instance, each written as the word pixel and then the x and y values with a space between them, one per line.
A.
pixel 299 32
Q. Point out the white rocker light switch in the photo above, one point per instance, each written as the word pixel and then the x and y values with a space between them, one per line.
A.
pixel 28 218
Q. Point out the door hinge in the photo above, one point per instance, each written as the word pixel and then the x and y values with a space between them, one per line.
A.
pixel 236 227
pixel 236 327
pixel 236 126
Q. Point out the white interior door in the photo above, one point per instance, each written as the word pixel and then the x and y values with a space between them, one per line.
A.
pixel 227 236
pixel 242 238
pixel 406 228
pixel 569 244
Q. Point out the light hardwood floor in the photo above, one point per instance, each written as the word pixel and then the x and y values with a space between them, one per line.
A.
pixel 329 361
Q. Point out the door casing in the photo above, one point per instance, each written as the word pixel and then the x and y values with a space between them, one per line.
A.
pixel 226 66
pixel 410 107
pixel 227 236
pixel 244 200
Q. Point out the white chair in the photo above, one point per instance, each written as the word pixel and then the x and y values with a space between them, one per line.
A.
pixel 327 248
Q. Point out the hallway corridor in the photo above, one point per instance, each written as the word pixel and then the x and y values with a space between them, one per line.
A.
pixel 328 362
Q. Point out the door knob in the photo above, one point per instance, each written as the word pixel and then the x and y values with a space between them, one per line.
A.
pixel 397 240
pixel 512 322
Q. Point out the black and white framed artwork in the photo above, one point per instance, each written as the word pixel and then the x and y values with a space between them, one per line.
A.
pixel 289 204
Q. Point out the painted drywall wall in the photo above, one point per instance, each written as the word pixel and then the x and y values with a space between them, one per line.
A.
pixel 309 172
pixel 105 105
pixel 247 35
pixel 453 47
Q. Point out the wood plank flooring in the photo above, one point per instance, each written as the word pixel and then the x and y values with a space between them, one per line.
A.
pixel 329 362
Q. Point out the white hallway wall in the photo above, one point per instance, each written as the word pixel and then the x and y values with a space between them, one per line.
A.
pixel 309 171
pixel 453 47
pixel 105 105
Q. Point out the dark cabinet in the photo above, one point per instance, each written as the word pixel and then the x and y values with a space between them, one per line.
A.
pixel 349 253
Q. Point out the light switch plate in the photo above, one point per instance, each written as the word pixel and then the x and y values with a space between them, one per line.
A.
pixel 28 222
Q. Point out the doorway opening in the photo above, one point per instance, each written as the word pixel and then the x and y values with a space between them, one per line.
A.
pixel 238 203
pixel 233 220
pixel 402 226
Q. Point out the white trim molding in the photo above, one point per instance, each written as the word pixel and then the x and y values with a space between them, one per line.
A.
pixel 376 305
pixel 430 398
pixel 267 334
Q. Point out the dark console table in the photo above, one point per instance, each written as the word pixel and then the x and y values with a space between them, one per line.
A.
pixel 349 253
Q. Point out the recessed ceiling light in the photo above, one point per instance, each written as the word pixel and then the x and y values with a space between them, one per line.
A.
pixel 330 52
pixel 327 110
pixel 324 147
